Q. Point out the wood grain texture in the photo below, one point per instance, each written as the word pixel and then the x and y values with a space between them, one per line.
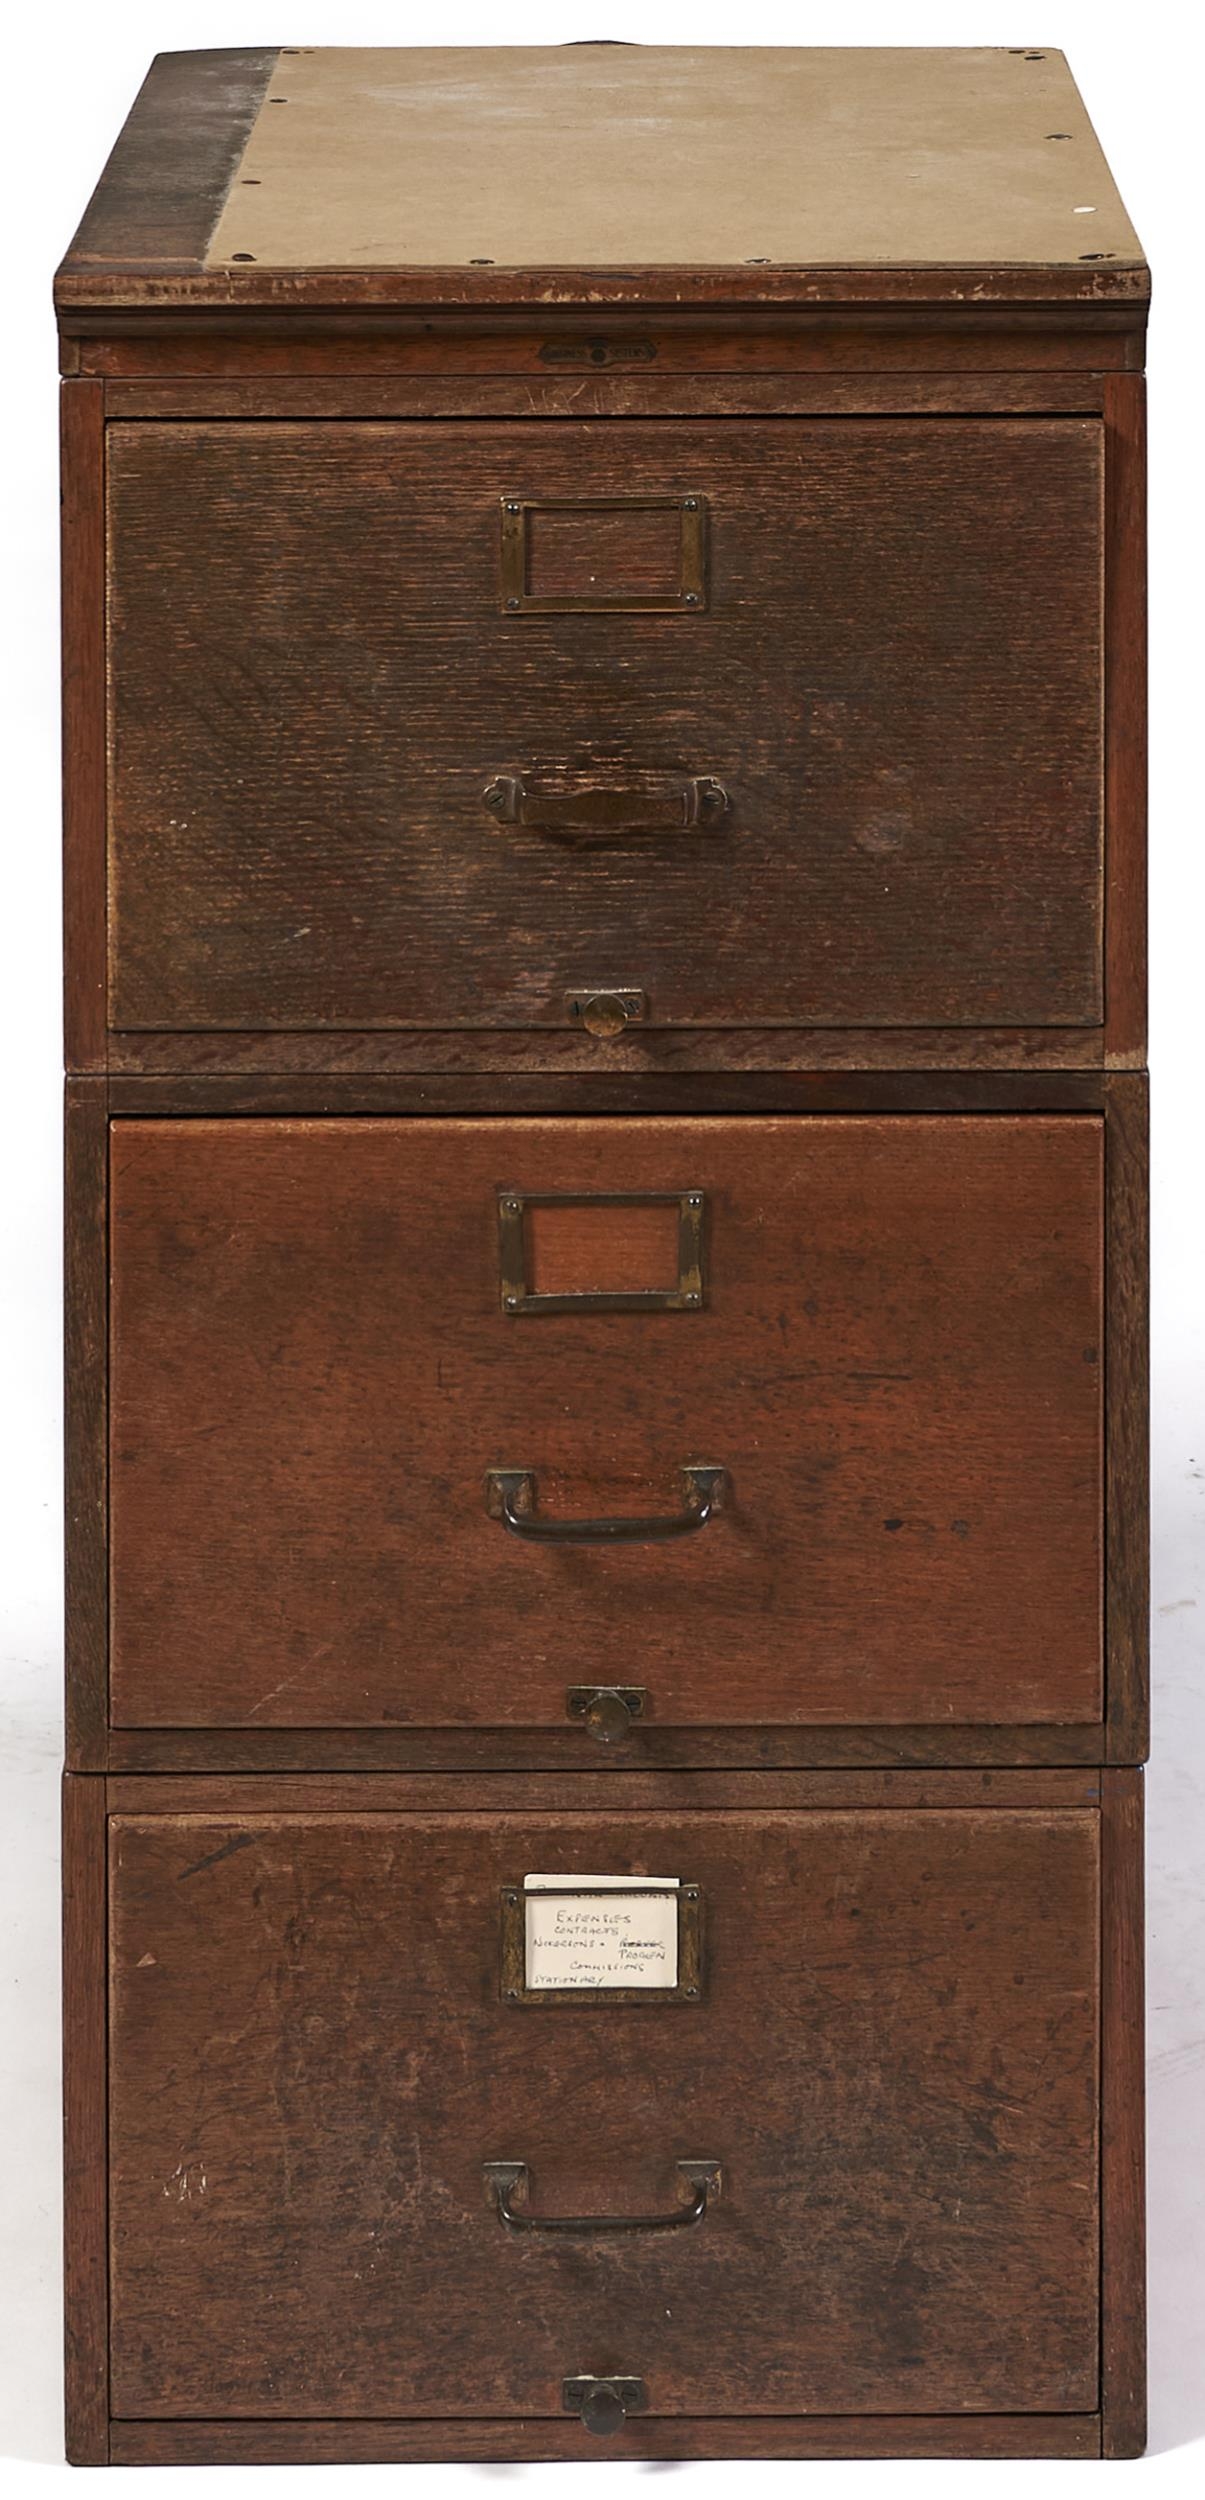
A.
pixel 895 2059
pixel 616 1790
pixel 1127 1464
pixel 563 389
pixel 570 1752
pixel 898 1363
pixel 1123 2203
pixel 576 1055
pixel 81 412
pixel 1098 336
pixel 1126 715
pixel 86 1430
pixel 897 677
pixel 85 2156
pixel 468 347
pixel 626 1090
pixel 576 552
pixel 161 192
pixel 938 296
pixel 594 1246
pixel 416 2443
pixel 963 294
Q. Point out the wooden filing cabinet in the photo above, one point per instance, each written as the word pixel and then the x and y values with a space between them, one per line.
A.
pixel 606 1327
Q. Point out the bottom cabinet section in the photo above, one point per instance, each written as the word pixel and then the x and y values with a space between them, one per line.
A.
pixel 607 2115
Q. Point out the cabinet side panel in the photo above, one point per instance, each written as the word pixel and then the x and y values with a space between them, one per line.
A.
pixel 1127 1533
pixel 85 2149
pixel 1123 2235
pixel 83 626
pixel 1125 717
pixel 86 1454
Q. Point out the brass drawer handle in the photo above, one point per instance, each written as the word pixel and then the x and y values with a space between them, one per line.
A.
pixel 510 1496
pixel 503 2178
pixel 699 800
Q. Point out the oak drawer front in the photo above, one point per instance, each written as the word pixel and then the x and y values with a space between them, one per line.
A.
pixel 322 1403
pixel 892 2060
pixel 852 777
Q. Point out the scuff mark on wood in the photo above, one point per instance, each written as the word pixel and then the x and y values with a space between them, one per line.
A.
pixel 228 1849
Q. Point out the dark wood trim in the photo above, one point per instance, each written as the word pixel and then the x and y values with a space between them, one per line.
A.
pixel 1127 1534
pixel 618 1792
pixel 138 278
pixel 685 342
pixel 1123 2242
pixel 553 1053
pixel 574 394
pixel 764 2437
pixel 86 1457
pixel 1125 717
pixel 85 2150
pixel 84 764
pixel 569 1752
pixel 161 192
pixel 620 1093
pixel 1111 338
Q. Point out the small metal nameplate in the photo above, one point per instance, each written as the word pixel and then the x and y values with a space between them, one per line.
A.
pixel 615 1936
pixel 598 352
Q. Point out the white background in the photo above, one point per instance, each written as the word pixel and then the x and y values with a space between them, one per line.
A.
pixel 71 74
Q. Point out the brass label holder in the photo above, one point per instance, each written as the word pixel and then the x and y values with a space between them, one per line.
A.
pixel 520 1300
pixel 688 1989
pixel 687 595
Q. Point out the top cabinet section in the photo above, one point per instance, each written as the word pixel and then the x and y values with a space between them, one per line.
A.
pixel 603 173
pixel 695 725
pixel 604 558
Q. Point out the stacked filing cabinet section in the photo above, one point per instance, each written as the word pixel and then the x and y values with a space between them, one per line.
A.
pixel 606 1138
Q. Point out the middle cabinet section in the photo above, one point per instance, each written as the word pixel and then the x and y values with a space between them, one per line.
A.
pixel 759 1421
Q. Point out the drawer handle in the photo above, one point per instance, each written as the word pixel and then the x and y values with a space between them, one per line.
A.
pixel 699 800
pixel 504 2178
pixel 510 1496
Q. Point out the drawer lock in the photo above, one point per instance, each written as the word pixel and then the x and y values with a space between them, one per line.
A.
pixel 605 1710
pixel 606 1013
pixel 604 2403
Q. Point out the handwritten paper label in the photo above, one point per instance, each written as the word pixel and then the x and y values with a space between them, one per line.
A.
pixel 602 1931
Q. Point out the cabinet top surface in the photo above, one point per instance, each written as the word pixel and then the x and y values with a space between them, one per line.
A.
pixel 603 172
